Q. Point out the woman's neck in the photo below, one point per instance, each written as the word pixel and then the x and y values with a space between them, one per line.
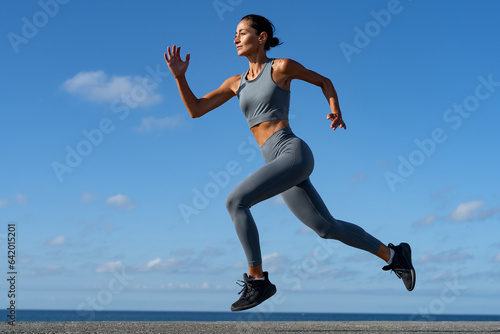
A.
pixel 256 63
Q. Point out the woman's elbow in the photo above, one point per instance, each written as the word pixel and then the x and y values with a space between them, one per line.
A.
pixel 195 110
pixel 194 115
pixel 326 82
pixel 197 113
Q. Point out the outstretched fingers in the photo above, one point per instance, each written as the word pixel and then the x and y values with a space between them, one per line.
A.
pixel 168 55
pixel 173 52
pixel 176 65
pixel 176 51
pixel 337 121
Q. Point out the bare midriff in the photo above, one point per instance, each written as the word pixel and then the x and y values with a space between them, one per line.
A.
pixel 264 130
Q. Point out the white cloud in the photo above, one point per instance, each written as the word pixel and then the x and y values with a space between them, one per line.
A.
pixel 497 258
pixel 60 240
pixel 333 273
pixel 274 262
pixel 87 197
pixel 153 263
pixel 158 265
pixel 488 213
pixel 304 230
pixel 466 211
pixel 239 265
pixel 21 199
pixel 382 163
pixel 110 267
pixel 96 86
pixel 120 201
pixel 443 277
pixel 50 270
pixel 153 123
pixel 441 193
pixel 429 220
pixel 358 177
pixel 213 252
pixel 274 259
pixel 184 251
pixel 446 256
pixel 3 203
pixel 360 257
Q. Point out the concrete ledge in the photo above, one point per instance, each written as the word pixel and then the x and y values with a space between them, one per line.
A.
pixel 234 327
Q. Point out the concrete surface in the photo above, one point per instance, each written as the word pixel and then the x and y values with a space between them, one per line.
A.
pixel 235 327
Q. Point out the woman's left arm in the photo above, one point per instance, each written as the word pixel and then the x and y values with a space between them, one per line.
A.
pixel 294 70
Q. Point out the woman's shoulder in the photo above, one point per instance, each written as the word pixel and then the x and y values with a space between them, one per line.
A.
pixel 233 82
pixel 235 77
pixel 281 60
pixel 284 64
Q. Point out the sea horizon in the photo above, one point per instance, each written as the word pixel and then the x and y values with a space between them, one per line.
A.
pixel 130 315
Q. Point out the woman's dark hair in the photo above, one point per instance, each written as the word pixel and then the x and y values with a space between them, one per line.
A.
pixel 260 24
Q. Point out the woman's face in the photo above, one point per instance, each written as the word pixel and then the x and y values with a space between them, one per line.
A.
pixel 247 42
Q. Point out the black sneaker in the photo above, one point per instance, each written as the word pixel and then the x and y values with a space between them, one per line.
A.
pixel 253 293
pixel 401 265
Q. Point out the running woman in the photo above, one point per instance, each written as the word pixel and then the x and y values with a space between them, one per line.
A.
pixel 264 96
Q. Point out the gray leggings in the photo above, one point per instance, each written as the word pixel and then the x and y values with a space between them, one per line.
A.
pixel 288 164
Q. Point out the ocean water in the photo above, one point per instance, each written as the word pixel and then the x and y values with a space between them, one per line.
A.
pixel 84 315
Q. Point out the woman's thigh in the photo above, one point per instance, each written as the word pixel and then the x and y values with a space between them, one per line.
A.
pixel 293 165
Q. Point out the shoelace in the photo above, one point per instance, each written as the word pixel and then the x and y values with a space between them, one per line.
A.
pixel 248 288
pixel 400 272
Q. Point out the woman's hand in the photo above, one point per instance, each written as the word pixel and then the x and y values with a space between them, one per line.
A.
pixel 175 63
pixel 337 121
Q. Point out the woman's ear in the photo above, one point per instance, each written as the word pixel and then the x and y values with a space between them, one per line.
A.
pixel 263 37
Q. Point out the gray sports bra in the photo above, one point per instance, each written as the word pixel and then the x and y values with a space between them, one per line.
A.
pixel 261 99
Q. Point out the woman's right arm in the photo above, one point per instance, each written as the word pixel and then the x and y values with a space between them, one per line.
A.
pixel 198 107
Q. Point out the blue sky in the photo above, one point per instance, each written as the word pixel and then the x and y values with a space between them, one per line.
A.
pixel 118 196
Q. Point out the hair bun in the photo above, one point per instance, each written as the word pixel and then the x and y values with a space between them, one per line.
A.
pixel 274 42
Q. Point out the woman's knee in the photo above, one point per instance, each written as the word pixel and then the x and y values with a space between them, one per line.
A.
pixel 332 230
pixel 233 202
pixel 230 202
